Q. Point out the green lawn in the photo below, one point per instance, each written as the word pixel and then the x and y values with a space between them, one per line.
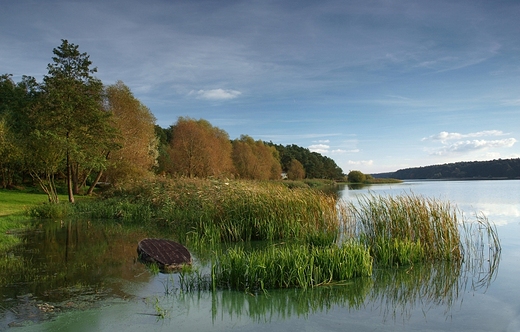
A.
pixel 15 201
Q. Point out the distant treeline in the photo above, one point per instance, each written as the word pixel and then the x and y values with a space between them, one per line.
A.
pixel 316 165
pixel 492 169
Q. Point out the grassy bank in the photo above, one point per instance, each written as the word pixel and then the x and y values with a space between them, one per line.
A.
pixel 13 205
pixel 19 201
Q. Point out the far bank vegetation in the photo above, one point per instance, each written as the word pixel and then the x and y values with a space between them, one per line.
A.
pixel 358 177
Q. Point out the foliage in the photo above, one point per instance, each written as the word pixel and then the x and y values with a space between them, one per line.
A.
pixel 356 177
pixel 197 149
pixel 315 165
pixel 381 180
pixel 71 114
pixel 16 101
pixel 295 171
pixel 136 136
pixel 251 159
pixel 61 130
pixel 255 160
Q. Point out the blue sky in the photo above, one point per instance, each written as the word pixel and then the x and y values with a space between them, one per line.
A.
pixel 377 85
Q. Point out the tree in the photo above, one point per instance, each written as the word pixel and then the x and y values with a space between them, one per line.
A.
pixel 72 114
pixel 295 170
pixel 163 141
pixel 135 125
pixel 255 160
pixel 197 149
pixel 16 103
pixel 356 177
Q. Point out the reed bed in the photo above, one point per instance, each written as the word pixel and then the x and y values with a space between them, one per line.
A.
pixel 249 211
pixel 290 266
pixel 203 211
pixel 405 229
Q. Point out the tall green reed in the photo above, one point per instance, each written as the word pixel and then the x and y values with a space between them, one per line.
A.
pixel 290 266
pixel 406 229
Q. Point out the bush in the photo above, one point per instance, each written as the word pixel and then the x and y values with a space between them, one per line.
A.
pixel 356 177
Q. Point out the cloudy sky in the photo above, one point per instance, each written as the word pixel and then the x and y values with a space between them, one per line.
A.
pixel 377 85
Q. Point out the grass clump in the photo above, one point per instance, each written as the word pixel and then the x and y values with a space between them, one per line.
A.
pixel 290 266
pixel 404 229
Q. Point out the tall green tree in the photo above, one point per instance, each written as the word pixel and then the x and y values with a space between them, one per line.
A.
pixel 16 102
pixel 72 114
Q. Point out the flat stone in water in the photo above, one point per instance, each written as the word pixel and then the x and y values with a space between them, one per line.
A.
pixel 165 253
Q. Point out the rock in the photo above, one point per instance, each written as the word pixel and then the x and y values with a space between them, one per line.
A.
pixel 167 254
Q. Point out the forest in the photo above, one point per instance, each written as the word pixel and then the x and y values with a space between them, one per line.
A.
pixel 492 169
pixel 71 132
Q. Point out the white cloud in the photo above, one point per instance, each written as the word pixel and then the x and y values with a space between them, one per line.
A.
pixel 216 94
pixel 323 141
pixel 361 162
pixel 320 148
pixel 473 145
pixel 444 136
pixel 339 151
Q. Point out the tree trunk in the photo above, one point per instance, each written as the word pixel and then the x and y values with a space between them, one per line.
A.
pixel 96 180
pixel 93 184
pixel 69 179
pixel 75 176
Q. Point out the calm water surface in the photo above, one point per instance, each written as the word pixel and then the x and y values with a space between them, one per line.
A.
pixel 83 277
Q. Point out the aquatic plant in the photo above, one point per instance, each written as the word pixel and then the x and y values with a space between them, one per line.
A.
pixel 289 266
pixel 405 229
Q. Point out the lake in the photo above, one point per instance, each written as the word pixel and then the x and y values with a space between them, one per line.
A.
pixel 84 276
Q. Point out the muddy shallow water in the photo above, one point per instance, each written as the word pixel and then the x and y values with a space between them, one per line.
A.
pixel 84 276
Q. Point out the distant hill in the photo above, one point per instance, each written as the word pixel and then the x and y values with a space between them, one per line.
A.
pixel 492 169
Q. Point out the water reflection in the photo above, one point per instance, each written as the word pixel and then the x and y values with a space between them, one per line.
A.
pixel 356 186
pixel 394 293
pixel 70 265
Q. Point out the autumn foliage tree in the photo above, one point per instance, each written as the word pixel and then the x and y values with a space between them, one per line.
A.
pixel 136 139
pixel 255 160
pixel 197 149
pixel 295 170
